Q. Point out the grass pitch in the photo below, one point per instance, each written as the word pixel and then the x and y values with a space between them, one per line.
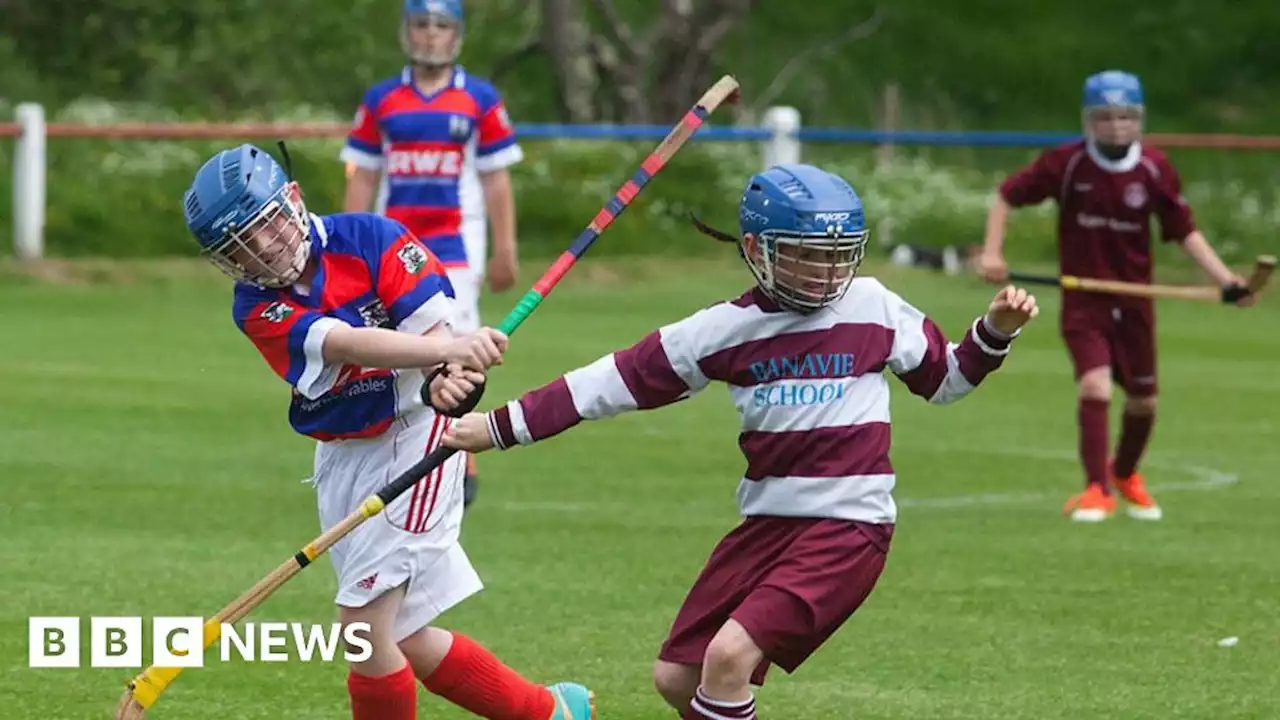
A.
pixel 147 469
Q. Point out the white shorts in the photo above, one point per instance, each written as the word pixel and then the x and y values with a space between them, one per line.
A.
pixel 475 242
pixel 414 539
pixel 466 291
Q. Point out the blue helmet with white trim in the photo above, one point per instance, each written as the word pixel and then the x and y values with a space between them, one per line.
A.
pixel 1113 106
pixel 804 235
pixel 431 32
pixel 248 217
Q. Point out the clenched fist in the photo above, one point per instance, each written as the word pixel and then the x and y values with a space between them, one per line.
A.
pixel 452 387
pixel 992 267
pixel 1010 309
pixel 479 350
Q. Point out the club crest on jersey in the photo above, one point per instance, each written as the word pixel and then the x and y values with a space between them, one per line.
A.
pixel 374 314
pixel 413 257
pixel 1135 195
pixel 459 128
pixel 276 312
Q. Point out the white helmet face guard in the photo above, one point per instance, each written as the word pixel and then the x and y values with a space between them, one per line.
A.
pixel 806 272
pixel 273 248
pixel 1118 126
pixel 430 57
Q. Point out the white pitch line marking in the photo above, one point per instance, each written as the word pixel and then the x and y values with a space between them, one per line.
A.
pixel 1204 479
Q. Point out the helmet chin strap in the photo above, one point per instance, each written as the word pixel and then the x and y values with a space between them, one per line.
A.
pixel 1112 151
pixel 430 65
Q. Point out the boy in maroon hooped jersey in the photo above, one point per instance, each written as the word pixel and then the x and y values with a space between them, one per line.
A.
pixel 1107 187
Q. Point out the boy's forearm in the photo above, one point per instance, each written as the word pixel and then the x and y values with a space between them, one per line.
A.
pixel 500 206
pixel 382 348
pixel 997 217
pixel 361 184
pixel 1200 251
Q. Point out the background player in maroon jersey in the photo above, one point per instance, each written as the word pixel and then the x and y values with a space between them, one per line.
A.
pixel 1107 187
pixel 435 144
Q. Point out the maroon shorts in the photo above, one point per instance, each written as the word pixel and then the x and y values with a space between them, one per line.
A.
pixel 1121 338
pixel 790 582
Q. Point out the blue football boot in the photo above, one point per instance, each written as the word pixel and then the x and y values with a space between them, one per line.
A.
pixel 573 702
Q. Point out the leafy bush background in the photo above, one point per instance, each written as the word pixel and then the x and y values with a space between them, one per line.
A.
pixel 996 65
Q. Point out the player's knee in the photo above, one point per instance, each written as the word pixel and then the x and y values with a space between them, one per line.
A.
pixel 676 683
pixel 732 655
pixel 1095 384
pixel 426 649
pixel 1140 405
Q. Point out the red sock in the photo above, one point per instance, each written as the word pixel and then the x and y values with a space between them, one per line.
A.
pixel 474 679
pixel 1134 434
pixel 1094 441
pixel 390 697
pixel 702 707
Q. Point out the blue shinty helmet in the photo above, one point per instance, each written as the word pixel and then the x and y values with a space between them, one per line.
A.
pixel 804 235
pixel 1105 92
pixel 248 217
pixel 449 10
pixel 1112 88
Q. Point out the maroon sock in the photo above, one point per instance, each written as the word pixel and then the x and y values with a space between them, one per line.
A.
pixel 1134 434
pixel 1094 441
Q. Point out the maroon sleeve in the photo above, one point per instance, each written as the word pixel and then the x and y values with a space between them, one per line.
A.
pixel 1176 219
pixel 641 377
pixel 1036 182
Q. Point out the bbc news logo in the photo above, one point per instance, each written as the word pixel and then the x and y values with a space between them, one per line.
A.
pixel 118 642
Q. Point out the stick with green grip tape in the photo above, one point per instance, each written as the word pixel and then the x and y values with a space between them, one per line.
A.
pixel 145 689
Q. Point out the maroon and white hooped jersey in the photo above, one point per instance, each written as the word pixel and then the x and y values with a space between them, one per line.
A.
pixel 809 388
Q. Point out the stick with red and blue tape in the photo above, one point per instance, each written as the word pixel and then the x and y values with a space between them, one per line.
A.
pixel 726 88
pixel 146 688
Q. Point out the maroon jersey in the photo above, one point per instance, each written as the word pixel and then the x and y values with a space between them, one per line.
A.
pixel 1104 209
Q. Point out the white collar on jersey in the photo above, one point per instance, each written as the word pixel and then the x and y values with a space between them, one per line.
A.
pixel 459 80
pixel 321 233
pixel 1124 164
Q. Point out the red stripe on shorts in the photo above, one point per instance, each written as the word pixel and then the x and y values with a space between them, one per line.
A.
pixel 421 488
pixel 433 482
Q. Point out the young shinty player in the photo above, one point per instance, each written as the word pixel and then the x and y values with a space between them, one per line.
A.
pixel 353 312
pixel 434 146
pixel 802 354
pixel 1107 187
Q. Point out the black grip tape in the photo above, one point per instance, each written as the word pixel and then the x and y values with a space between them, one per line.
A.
pixel 466 406
pixel 1233 293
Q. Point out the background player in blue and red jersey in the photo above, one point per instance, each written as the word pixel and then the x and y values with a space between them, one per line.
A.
pixel 434 144
pixel 353 312
pixel 1107 187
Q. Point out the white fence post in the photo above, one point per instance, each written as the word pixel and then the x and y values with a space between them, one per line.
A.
pixel 29 183
pixel 784 146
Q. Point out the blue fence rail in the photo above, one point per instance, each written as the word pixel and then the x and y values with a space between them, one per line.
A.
pixel 780 137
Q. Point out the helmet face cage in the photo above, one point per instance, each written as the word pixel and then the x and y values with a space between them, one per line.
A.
pixel 1113 125
pixel 272 248
pixel 423 21
pixel 806 271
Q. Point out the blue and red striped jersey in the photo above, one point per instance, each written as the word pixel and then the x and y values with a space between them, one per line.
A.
pixel 429 149
pixel 372 272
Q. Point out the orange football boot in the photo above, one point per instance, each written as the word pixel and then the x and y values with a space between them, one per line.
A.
pixel 1140 504
pixel 1092 505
